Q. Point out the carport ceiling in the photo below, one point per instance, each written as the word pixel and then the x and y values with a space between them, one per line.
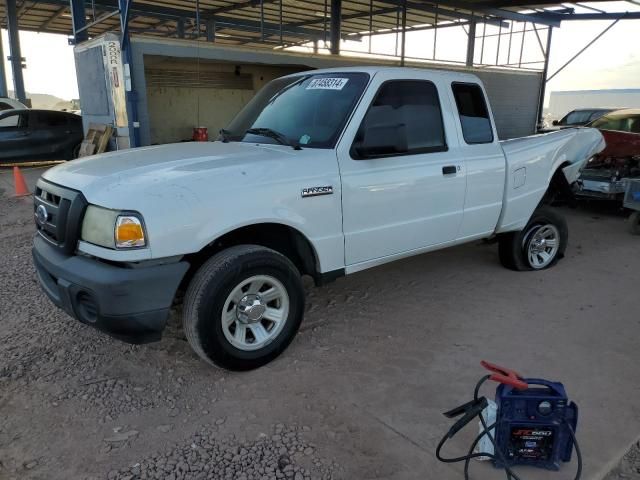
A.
pixel 294 21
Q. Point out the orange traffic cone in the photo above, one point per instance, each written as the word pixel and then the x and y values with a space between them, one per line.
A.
pixel 21 185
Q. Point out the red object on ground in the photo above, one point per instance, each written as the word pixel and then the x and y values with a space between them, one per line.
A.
pixel 200 134
pixel 505 375
pixel 20 184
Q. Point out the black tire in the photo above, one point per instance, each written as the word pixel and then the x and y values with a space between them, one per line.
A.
pixel 633 223
pixel 211 287
pixel 513 246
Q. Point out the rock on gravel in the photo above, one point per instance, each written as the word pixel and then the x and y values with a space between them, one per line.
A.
pixel 629 467
pixel 206 456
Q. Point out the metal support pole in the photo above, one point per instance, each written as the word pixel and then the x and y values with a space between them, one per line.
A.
pixel 404 32
pixel 280 25
pixel 180 27
pixel 4 92
pixel 484 33
pixel 471 43
pixel 211 30
pixel 131 95
pixel 370 22
pixel 78 21
pixel 14 51
pixel 435 32
pixel 543 83
pixel 262 20
pixel 336 24
pixel 524 33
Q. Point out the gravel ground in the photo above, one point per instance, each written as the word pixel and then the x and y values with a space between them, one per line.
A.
pixel 356 396
pixel 629 467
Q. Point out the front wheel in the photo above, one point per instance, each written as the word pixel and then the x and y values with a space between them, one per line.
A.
pixel 243 307
pixel 539 245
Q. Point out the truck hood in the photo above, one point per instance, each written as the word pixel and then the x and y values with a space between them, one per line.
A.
pixel 111 179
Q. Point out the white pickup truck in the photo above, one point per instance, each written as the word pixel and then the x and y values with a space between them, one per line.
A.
pixel 323 173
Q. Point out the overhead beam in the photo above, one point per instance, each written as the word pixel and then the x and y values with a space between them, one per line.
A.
pixel 447 14
pixel 442 13
pixel 592 16
pixel 505 14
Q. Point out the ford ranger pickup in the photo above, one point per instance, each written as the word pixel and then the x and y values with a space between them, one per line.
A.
pixel 323 173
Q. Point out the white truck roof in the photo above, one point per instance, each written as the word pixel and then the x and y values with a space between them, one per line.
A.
pixel 453 74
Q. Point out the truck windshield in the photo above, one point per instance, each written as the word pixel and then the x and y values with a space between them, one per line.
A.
pixel 307 110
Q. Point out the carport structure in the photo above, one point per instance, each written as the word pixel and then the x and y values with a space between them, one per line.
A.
pixel 492 34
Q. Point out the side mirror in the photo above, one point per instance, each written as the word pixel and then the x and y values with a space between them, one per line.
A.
pixel 555 123
pixel 382 140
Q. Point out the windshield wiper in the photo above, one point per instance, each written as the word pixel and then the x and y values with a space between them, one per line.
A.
pixel 277 136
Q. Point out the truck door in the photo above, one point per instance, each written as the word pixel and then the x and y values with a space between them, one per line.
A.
pixel 402 188
pixel 485 160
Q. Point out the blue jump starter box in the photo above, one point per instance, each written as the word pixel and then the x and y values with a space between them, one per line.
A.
pixel 535 424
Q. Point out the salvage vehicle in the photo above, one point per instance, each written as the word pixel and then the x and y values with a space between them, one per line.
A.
pixel 604 176
pixel 576 118
pixel 28 134
pixel 323 173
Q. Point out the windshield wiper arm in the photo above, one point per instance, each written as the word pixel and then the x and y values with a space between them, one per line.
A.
pixel 225 135
pixel 277 136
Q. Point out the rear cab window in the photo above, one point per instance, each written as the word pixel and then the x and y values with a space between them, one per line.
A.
pixel 473 112
pixel 404 118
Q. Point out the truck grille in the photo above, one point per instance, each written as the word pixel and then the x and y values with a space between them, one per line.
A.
pixel 58 214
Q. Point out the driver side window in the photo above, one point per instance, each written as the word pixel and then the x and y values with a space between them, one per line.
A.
pixel 404 119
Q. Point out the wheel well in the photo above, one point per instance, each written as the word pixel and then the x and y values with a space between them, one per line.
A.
pixel 559 191
pixel 283 239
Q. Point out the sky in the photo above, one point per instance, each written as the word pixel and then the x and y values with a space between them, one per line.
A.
pixel 612 62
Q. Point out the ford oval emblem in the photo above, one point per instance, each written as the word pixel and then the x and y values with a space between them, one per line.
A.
pixel 41 214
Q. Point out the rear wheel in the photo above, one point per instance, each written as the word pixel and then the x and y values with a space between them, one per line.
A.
pixel 243 307
pixel 633 223
pixel 539 245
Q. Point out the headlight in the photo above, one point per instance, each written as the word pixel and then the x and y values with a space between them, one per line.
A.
pixel 112 228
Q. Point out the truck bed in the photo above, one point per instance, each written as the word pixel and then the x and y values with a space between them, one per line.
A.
pixel 532 161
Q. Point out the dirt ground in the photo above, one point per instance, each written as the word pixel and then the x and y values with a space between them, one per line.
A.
pixel 360 392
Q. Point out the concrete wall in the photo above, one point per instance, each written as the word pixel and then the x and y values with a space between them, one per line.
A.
pixel 513 94
pixel 174 110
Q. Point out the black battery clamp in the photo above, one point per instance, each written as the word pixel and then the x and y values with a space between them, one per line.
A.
pixel 534 424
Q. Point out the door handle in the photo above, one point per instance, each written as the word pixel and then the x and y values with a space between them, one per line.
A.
pixel 449 170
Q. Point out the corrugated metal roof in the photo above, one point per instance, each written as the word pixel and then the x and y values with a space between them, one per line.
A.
pixel 272 22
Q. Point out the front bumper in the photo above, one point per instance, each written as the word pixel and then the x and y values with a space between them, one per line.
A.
pixel 131 304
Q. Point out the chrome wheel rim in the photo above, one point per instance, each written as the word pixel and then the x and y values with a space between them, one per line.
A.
pixel 542 246
pixel 255 312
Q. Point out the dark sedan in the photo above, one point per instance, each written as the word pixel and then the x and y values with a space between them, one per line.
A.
pixel 39 135
pixel 576 118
